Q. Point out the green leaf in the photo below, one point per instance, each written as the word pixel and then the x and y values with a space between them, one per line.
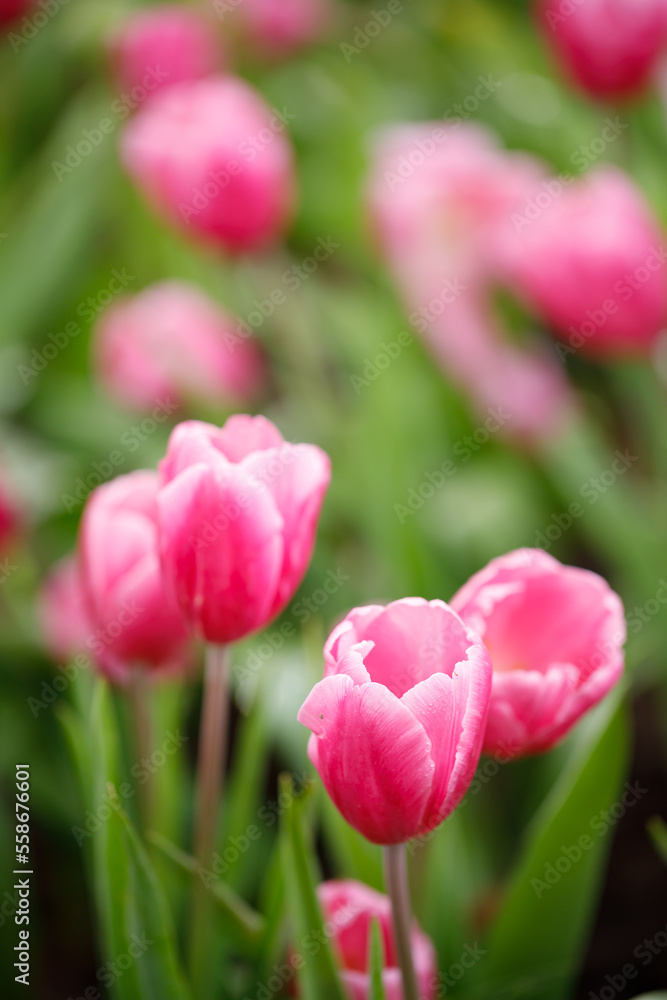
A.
pixel 138 938
pixel 318 975
pixel 376 964
pixel 657 829
pixel 540 935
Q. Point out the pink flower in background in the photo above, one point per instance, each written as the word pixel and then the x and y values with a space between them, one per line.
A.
pixel 609 47
pixel 594 265
pixel 399 718
pixel 279 27
pixel 10 10
pixel 238 513
pixel 440 195
pixel 172 340
pixel 134 620
pixel 9 516
pixel 63 613
pixel 350 907
pixel 216 160
pixel 163 45
pixel 555 635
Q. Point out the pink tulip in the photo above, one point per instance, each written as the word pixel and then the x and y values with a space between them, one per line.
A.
pixel 399 718
pixel 215 159
pixel 555 635
pixel 163 45
pixel 279 27
pixel 238 512
pixel 171 340
pixel 135 621
pixel 609 47
pixel 63 612
pixel 441 195
pixel 350 907
pixel 593 264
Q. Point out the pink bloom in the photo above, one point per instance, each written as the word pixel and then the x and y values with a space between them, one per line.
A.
pixel 238 512
pixel 215 159
pixel 440 196
pixel 63 612
pixel 171 340
pixel 593 264
pixel 280 27
pixel 399 718
pixel 163 45
pixel 136 622
pixel 350 907
pixel 10 10
pixel 555 634
pixel 609 47
pixel 9 516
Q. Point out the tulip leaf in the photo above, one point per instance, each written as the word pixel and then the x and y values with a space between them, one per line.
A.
pixel 138 940
pixel 376 963
pixel 311 951
pixel 539 937
pixel 657 829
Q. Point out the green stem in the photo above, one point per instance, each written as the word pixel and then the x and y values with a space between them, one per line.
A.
pixel 396 879
pixel 140 695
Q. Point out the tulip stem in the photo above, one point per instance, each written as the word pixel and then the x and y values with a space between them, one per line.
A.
pixel 396 879
pixel 210 775
pixel 212 750
pixel 140 695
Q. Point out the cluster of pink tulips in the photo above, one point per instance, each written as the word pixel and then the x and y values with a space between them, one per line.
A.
pixel 214 545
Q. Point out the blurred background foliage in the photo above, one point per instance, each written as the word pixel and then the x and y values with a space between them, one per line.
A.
pixel 61 242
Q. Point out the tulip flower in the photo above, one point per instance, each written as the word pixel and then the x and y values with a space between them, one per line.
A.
pixel 238 511
pixel 134 619
pixel 593 264
pixel 171 340
pixel 350 907
pixel 63 612
pixel 276 28
pixel 214 159
pixel 161 46
pixel 555 635
pixel 398 721
pixel 609 47
pixel 440 197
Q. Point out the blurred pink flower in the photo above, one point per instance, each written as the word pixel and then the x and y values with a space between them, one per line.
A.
pixel 593 264
pixel 10 519
pixel 216 160
pixel 609 47
pixel 10 10
pixel 555 635
pixel 277 28
pixel 172 340
pixel 399 718
pixel 350 907
pixel 440 194
pixel 159 46
pixel 63 614
pixel 238 512
pixel 134 621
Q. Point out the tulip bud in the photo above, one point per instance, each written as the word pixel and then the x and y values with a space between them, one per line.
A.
pixel 399 718
pixel 161 46
pixel 277 28
pixel 213 158
pixel 349 907
pixel 592 262
pixel 172 341
pixel 134 619
pixel 609 47
pixel 238 512
pixel 63 613
pixel 555 634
